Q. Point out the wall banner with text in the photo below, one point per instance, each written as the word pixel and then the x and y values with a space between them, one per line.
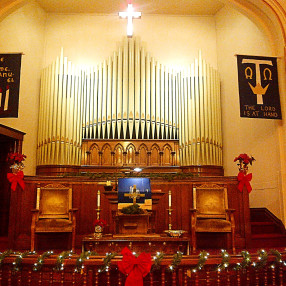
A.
pixel 10 66
pixel 258 87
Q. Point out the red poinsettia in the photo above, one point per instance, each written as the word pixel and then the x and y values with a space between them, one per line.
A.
pixel 100 222
pixel 17 158
pixel 244 158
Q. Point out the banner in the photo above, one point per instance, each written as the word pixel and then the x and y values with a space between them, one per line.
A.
pixel 258 87
pixel 10 65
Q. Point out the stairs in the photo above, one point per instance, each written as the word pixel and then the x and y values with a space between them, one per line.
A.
pixel 266 229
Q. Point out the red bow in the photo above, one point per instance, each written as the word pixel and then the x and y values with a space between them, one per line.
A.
pixel 15 179
pixel 244 180
pixel 135 268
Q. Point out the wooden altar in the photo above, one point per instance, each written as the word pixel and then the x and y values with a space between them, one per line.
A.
pixel 147 243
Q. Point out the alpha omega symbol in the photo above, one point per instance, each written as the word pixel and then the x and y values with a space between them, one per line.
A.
pixel 258 87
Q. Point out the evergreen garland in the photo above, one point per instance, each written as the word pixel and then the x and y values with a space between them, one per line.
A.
pixel 278 258
pixel 176 261
pixel 245 262
pixel 4 255
pixel 80 260
pixel 262 259
pixel 17 264
pixel 115 176
pixel 157 261
pixel 203 256
pixel 107 261
pixel 40 261
pixel 60 260
pixel 225 261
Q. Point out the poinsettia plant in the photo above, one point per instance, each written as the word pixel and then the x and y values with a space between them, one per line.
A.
pixel 16 161
pixel 17 158
pixel 244 178
pixel 244 160
pixel 100 222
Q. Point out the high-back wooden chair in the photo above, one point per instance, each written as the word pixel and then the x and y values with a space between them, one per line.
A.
pixel 210 213
pixel 54 212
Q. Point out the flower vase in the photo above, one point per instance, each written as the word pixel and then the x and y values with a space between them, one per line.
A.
pixel 98 232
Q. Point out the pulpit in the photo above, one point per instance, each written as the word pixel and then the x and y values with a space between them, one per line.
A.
pixel 133 218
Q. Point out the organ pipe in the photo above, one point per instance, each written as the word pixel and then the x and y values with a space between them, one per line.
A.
pixel 129 96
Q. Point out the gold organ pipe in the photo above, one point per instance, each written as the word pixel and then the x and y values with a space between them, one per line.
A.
pixel 137 99
pixel 109 99
pixel 119 93
pixel 129 92
pixel 143 99
pixel 125 87
pixel 148 94
pixel 153 98
pixel 114 94
pixel 130 113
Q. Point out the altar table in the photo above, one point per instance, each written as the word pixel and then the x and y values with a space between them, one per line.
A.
pixel 149 243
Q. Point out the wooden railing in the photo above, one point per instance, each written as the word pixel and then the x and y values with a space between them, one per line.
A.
pixel 215 271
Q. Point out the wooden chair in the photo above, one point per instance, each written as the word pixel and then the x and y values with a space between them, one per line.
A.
pixel 53 213
pixel 210 213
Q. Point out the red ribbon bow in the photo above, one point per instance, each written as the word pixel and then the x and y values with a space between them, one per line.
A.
pixel 135 268
pixel 244 181
pixel 15 179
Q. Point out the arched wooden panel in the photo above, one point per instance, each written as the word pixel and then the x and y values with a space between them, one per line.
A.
pixel 167 155
pixel 106 155
pixel 155 155
pixel 143 156
pixel 118 155
pixel 94 155
pixel 130 156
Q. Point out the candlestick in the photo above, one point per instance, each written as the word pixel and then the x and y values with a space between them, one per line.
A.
pixel 170 198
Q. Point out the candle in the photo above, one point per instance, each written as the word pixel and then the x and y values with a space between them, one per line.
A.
pixel 0 96
pixel 170 198
pixel 98 199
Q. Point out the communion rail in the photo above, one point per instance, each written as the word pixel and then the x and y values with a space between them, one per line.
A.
pixel 230 270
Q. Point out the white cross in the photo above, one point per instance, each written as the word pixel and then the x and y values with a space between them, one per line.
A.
pixel 130 14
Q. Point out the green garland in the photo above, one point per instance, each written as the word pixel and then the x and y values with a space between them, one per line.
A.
pixel 4 255
pixel 262 259
pixel 245 262
pixel 177 258
pixel 60 260
pixel 115 176
pixel 157 261
pixel 17 264
pixel 278 258
pixel 107 261
pixel 225 261
pixel 80 260
pixel 40 261
pixel 203 256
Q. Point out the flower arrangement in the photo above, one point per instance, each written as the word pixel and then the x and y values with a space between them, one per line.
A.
pixel 100 222
pixel 16 161
pixel 244 160
pixel 99 225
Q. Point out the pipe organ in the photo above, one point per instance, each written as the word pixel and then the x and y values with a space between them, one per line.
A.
pixel 129 96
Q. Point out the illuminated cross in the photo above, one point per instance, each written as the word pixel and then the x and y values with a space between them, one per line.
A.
pixel 134 194
pixel 130 14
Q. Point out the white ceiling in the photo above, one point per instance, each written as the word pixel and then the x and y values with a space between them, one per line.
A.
pixel 171 7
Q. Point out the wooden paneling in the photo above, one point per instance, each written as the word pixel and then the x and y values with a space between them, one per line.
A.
pixel 84 198
pixel 130 152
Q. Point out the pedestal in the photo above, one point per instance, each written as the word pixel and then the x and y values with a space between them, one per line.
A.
pixel 130 224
